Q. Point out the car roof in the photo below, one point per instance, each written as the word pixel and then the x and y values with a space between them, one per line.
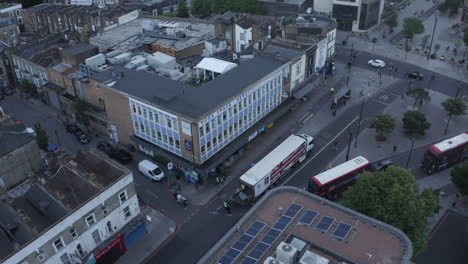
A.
pixel 148 163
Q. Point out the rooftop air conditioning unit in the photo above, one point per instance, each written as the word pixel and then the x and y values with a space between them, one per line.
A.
pixel 286 253
pixel 272 260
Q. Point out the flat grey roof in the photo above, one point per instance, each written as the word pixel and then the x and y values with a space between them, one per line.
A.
pixel 78 48
pixel 12 137
pixel 192 101
pixel 283 52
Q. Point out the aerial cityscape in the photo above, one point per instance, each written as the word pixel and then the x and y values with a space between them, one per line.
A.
pixel 233 131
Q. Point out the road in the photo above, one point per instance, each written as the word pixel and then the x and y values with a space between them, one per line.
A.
pixel 200 227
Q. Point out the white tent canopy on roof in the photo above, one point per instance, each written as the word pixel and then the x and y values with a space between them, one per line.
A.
pixel 212 67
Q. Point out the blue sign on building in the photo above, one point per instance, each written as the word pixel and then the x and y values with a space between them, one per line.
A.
pixel 188 145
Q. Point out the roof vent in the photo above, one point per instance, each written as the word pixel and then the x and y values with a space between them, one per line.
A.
pixel 286 253
pixel 272 260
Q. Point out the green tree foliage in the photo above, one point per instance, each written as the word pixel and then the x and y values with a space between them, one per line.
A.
pixel 414 122
pixel 420 95
pixel 449 5
pixel 455 106
pixel 392 196
pixel 41 136
pixel 26 86
pixel 182 11
pixel 80 106
pixel 412 26
pixel 204 8
pixel 392 20
pixel 460 178
pixel 425 41
pixel 383 125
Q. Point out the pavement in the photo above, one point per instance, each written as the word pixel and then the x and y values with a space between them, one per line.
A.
pixel 159 229
pixel 385 49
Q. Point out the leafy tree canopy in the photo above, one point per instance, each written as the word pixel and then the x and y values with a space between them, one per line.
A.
pixel 414 122
pixel 383 125
pixel 204 8
pixel 41 136
pixel 419 95
pixel 455 106
pixel 460 178
pixel 392 196
pixel 412 26
pixel 392 20
pixel 182 11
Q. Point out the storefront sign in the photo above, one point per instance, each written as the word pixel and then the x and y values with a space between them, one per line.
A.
pixel 188 145
pixel 119 241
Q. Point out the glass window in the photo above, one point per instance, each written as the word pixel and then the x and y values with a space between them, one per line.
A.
pixel 215 141
pixel 65 259
pixel 240 122
pixel 142 128
pixel 145 114
pixel 208 145
pixel 224 116
pixel 127 212
pixel 171 141
pixel 202 132
pixel 137 126
pixel 165 138
pixel 96 236
pixel 203 149
pixel 177 143
pixel 245 102
pixel 230 130
pixel 156 118
pixel 139 110
pixel 80 251
pixel 258 110
pixel 219 120
pixel 159 135
pixel 73 233
pixel 150 115
pixel 207 127
pixel 58 244
pixel 220 138
pixel 123 196
pixel 169 122
pixel 153 133
pixel 235 126
pixel 235 109
pixel 133 108
pixel 90 220
pixel 225 133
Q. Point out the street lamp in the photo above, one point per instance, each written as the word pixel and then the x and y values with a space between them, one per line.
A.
pixel 411 151
pixel 349 144
pixel 359 123
pixel 433 33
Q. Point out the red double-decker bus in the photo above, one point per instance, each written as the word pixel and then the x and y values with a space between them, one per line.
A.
pixel 331 183
pixel 443 154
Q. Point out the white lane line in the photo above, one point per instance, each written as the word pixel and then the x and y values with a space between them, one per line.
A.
pixel 320 151
pixel 308 118
pixel 157 197
pixel 303 117
pixel 378 101
pixel 397 95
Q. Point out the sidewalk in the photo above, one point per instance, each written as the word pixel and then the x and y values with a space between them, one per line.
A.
pixel 159 230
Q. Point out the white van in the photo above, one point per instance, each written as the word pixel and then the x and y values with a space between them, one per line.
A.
pixel 150 170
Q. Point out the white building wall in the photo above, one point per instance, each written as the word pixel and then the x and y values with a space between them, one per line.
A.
pixel 298 72
pixel 116 216
pixel 331 39
pixel 321 54
pixel 246 41
pixel 323 6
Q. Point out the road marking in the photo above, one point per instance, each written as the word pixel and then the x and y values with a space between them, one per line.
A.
pixel 308 118
pixel 320 151
pixel 397 95
pixel 303 117
pixel 378 101
pixel 157 197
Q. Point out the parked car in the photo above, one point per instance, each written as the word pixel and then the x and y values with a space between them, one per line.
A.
pixel 105 146
pixel 7 90
pixel 82 137
pixel 381 165
pixel 415 75
pixel 376 63
pixel 120 155
pixel 150 170
pixel 73 129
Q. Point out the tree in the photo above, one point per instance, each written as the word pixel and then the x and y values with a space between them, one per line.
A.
pixel 412 26
pixel 420 95
pixel 383 125
pixel 182 11
pixel 414 122
pixel 41 135
pixel 460 178
pixel 455 106
pixel 81 107
pixel 392 20
pixel 424 42
pixel 26 86
pixel 436 48
pixel 204 8
pixel 392 196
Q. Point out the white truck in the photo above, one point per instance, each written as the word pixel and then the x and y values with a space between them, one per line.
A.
pixel 274 165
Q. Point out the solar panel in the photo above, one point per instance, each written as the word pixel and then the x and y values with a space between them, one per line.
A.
pixel 242 243
pixel 308 217
pixel 280 226
pixel 293 210
pixel 285 219
pixel 325 223
pixel 342 231
pixel 249 260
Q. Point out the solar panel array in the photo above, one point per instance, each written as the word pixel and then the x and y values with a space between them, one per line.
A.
pixel 242 243
pixel 342 231
pixel 270 237
pixel 325 223
pixel 308 217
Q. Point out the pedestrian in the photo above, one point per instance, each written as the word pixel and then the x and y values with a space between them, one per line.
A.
pixel 226 206
pixel 175 195
pixel 454 204
pixel 217 180
pixel 335 145
pixel 334 112
pixel 457 195
pixel 243 187
pixel 332 90
pixel 394 148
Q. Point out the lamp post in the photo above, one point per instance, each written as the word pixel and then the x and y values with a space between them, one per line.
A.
pixel 433 33
pixel 409 156
pixel 359 123
pixel 349 144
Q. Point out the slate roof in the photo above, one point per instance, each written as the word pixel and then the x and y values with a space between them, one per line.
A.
pixel 11 138
pixel 193 101
pixel 78 48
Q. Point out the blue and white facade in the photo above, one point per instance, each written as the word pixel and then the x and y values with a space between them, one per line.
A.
pixel 228 122
pixel 156 126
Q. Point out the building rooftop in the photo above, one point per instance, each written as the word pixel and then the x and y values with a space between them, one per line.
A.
pixel 291 2
pixel 8 5
pixel 247 21
pixel 283 52
pixel 346 236
pixel 191 101
pixel 141 31
pixel 37 204
pixel 78 49
pixel 43 52
pixel 13 137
